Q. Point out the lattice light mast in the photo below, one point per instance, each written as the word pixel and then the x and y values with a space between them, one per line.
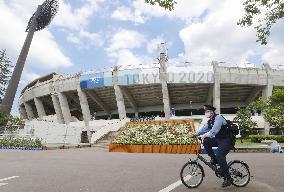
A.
pixel 39 20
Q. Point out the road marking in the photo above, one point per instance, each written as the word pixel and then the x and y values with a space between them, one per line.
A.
pixel 8 178
pixel 175 185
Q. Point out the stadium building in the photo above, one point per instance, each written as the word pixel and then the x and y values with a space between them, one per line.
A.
pixel 156 91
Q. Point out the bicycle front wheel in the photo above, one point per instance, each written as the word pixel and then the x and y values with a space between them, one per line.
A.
pixel 192 174
pixel 240 173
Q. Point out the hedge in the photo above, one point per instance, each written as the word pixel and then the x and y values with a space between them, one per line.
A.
pixel 20 142
pixel 259 138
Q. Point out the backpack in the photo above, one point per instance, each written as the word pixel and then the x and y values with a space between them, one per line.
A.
pixel 232 130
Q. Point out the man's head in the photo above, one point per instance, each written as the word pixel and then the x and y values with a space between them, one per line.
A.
pixel 209 111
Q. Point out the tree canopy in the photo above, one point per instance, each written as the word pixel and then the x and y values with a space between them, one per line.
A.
pixel 272 109
pixel 5 71
pixel 166 4
pixel 265 12
pixel 246 124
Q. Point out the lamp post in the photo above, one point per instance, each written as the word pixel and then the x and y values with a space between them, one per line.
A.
pixel 39 20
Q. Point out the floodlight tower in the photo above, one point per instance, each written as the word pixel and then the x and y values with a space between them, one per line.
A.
pixel 39 20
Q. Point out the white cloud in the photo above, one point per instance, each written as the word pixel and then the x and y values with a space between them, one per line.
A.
pixel 188 10
pixel 126 39
pixel 125 14
pixel 94 38
pixel 153 44
pixel 23 9
pixel 145 9
pixel 121 45
pixel 274 55
pixel 73 38
pixel 78 18
pixel 125 57
pixel 218 37
pixel 43 47
pixel 28 77
pixel 211 32
pixel 84 39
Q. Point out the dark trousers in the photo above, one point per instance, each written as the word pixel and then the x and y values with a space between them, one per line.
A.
pixel 224 146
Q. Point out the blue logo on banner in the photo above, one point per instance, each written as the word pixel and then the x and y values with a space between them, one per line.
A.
pixel 89 81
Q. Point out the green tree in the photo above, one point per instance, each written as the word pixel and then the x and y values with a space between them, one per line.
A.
pixel 274 114
pixel 275 117
pixel 246 124
pixel 273 109
pixel 166 4
pixel 259 105
pixel 5 71
pixel 3 118
pixel 277 97
pixel 265 12
pixel 9 120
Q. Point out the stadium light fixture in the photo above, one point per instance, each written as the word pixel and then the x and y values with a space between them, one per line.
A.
pixel 39 20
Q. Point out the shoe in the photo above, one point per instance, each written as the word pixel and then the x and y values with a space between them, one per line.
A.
pixel 227 182
pixel 219 172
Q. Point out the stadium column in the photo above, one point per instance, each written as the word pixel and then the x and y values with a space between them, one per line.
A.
pixel 118 95
pixel 267 92
pixel 39 108
pixel 131 100
pixel 23 112
pixel 64 107
pixel 57 108
pixel 165 91
pixel 29 110
pixel 85 110
pixel 216 89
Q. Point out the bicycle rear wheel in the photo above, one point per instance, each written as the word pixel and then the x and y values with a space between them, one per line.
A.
pixel 192 174
pixel 239 172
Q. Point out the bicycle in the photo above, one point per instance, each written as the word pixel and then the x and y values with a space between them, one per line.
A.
pixel 239 172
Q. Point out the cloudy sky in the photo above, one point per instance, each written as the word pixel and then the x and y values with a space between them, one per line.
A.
pixel 97 34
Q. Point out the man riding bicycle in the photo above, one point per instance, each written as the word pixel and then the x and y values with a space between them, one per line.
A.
pixel 214 134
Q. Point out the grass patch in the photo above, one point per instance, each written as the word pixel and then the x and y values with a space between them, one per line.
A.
pixel 249 143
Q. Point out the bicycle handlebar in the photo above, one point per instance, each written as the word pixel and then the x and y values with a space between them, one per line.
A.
pixel 198 138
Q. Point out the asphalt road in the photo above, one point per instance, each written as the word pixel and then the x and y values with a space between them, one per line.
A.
pixel 93 170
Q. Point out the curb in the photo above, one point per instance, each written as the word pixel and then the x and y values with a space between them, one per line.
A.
pixel 22 148
pixel 251 150
pixel 244 150
pixel 65 147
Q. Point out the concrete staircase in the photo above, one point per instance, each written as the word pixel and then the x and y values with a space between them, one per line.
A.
pixel 105 140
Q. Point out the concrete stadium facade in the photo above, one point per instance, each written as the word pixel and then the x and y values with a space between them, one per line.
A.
pixel 132 92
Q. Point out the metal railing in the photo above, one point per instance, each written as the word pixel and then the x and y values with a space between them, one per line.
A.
pixel 142 119
pixel 10 130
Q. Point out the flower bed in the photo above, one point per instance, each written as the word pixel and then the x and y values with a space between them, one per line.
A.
pixel 171 136
pixel 20 143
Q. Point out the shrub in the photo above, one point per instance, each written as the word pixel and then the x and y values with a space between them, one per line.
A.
pixel 9 141
pixel 259 138
pixel 143 134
